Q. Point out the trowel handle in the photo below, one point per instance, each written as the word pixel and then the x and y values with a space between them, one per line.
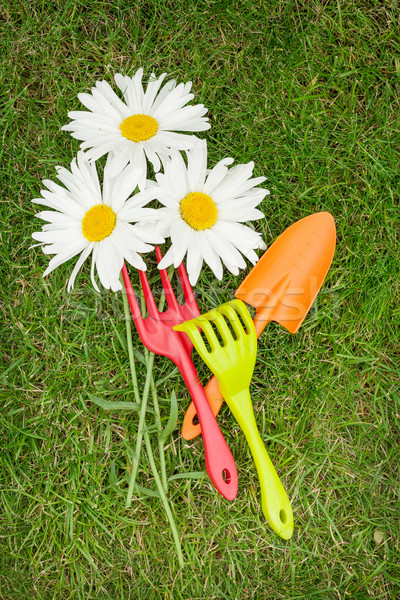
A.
pixel 274 499
pixel 191 426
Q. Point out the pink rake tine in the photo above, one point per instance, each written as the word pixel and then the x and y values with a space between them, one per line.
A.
pixel 148 295
pixel 133 303
pixel 169 292
pixel 187 288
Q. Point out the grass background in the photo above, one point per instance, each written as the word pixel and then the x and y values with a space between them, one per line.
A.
pixel 310 92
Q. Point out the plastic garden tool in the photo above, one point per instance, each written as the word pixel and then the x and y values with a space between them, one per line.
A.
pixel 157 334
pixel 281 287
pixel 231 356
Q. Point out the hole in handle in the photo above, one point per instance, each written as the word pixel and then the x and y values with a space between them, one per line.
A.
pixel 226 476
pixel 195 420
pixel 283 516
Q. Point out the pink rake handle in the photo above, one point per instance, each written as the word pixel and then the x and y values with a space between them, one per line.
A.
pixel 157 334
pixel 220 463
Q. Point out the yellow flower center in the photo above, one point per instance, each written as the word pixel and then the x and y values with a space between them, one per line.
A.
pixel 139 128
pixel 98 222
pixel 199 210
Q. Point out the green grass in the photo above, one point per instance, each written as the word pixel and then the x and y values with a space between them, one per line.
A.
pixel 309 91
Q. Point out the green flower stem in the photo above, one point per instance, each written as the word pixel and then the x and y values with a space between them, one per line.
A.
pixel 164 500
pixel 143 433
pixel 143 403
pixel 142 425
pixel 130 346
pixel 160 442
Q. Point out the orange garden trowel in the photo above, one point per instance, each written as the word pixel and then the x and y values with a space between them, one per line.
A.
pixel 281 287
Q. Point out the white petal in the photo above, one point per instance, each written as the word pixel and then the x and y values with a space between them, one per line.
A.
pixel 194 261
pixel 78 265
pixel 134 259
pixel 117 161
pixel 151 93
pixel 167 259
pixel 173 184
pixel 173 101
pixel 197 165
pixel 98 150
pixel 134 92
pixel 234 269
pixel 178 141
pixel 152 157
pixel 104 91
pixel 94 259
pixel 236 232
pixel 216 175
pixel 189 118
pixel 62 257
pixel 103 263
pixel 219 246
pixel 120 188
pixel 163 93
pixel 211 257
pixel 148 232
pixel 182 237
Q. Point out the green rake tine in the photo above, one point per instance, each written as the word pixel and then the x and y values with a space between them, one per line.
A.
pixel 229 312
pixel 209 332
pixel 223 329
pixel 247 320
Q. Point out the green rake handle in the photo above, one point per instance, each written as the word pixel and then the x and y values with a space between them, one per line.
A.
pixel 274 500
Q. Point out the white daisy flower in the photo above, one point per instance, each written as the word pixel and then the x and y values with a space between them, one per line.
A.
pixel 204 211
pixel 144 125
pixel 89 219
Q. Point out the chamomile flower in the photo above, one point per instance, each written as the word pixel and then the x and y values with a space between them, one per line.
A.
pixel 204 213
pixel 145 124
pixel 106 221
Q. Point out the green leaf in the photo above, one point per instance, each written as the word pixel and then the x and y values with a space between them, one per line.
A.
pixel 113 475
pixel 188 475
pixel 172 420
pixel 174 372
pixel 109 405
pixel 140 490
pixel 123 343
pixel 146 491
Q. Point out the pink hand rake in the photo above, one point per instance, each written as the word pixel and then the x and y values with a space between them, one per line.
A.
pixel 157 334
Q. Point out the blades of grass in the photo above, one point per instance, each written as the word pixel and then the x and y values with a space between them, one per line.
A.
pixel 113 476
pixel 175 371
pixel 110 405
pixel 12 366
pixel 143 490
pixel 172 419
pixel 164 500
pixel 188 475
pixel 123 344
